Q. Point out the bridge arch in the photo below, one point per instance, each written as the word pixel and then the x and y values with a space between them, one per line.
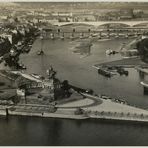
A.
pixel 95 24
pixel 114 24
pixel 76 24
pixel 99 23
pixel 141 24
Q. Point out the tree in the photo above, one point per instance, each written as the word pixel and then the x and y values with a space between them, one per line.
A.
pixel 79 111
pixel 16 20
pixel 74 30
pixel 22 82
pixel 142 47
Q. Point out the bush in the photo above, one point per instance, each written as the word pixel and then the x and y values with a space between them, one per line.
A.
pixel 79 111
pixel 52 109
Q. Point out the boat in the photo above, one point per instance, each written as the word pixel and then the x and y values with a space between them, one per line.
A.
pixel 40 52
pixel 122 71
pixel 21 66
pixel 104 72
pixel 110 52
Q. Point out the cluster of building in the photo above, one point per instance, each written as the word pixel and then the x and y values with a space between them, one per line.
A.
pixel 16 38
pixel 58 13
pixel 79 16
pixel 34 88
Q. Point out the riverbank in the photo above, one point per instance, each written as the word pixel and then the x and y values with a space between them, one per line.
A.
pixel 126 63
pixel 76 67
pixel 94 107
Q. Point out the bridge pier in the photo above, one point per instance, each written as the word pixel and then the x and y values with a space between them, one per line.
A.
pixel 7 113
pixel 141 75
pixel 52 35
pixel 117 35
pixel 145 90
pixel 108 34
pixel 100 35
pixel 62 37
pixel 145 87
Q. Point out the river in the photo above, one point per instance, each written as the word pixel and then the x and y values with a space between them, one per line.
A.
pixel 78 71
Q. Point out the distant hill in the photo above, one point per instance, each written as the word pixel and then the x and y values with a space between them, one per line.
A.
pixel 9 4
pixel 85 5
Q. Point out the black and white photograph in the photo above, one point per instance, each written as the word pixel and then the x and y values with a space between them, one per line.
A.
pixel 73 73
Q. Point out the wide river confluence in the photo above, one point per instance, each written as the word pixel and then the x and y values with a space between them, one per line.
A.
pixel 78 71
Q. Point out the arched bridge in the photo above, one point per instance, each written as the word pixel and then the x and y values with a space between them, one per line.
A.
pixel 100 23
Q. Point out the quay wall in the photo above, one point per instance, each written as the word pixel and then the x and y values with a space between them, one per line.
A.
pixel 86 115
pixel 48 115
pixel 69 113
pixel 121 117
pixel 117 117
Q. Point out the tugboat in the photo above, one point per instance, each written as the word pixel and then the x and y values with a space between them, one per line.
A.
pixel 41 52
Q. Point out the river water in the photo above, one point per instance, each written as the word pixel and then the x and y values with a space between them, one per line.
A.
pixel 78 71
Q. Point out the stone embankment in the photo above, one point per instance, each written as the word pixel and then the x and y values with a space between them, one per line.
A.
pixel 91 107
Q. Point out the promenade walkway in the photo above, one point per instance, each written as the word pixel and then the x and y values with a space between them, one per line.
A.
pixel 96 107
pixel 92 106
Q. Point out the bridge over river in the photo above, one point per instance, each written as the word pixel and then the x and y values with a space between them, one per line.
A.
pixel 101 23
